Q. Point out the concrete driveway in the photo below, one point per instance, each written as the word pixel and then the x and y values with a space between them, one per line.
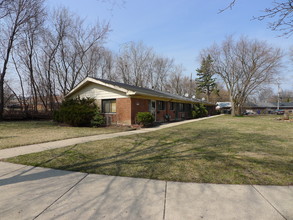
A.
pixel 39 193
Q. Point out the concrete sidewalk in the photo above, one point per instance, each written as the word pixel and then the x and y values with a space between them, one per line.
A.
pixel 39 193
pixel 12 152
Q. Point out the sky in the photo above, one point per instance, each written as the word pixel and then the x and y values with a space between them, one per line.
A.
pixel 180 29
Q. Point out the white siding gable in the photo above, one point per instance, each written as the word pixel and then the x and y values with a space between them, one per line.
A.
pixel 96 91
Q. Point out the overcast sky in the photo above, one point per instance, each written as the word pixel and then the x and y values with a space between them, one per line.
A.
pixel 179 29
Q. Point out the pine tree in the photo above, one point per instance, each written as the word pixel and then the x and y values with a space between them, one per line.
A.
pixel 205 82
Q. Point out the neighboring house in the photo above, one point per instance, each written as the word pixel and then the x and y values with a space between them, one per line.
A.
pixel 259 108
pixel 224 107
pixel 121 102
pixel 269 108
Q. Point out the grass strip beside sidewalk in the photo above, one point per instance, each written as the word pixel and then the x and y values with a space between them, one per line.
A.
pixel 243 150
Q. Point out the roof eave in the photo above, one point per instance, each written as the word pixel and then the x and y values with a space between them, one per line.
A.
pixel 171 99
pixel 89 79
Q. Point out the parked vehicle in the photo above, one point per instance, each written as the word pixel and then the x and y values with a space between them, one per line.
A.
pixel 279 112
pixel 249 112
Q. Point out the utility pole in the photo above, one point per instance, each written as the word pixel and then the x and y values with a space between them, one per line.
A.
pixel 279 91
pixel 190 85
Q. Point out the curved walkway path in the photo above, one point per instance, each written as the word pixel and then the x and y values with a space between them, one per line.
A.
pixel 28 192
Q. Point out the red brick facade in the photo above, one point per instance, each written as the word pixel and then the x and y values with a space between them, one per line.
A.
pixel 138 105
pixel 120 102
pixel 123 108
pixel 127 109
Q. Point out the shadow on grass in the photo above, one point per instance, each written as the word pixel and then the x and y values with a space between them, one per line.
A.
pixel 154 156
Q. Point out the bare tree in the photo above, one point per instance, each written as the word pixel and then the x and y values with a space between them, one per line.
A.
pixel 52 40
pixel 134 63
pixel 265 94
pixel 229 6
pixel 4 7
pixel 109 65
pixel 8 93
pixel 179 84
pixel 21 98
pixel 50 54
pixel 25 58
pixel 174 85
pixel 103 64
pixel 221 96
pixel 71 52
pixel 162 68
pixel 268 95
pixel 79 49
pixel 281 13
pixel 18 14
pixel 139 65
pixel 286 95
pixel 244 66
pixel 291 53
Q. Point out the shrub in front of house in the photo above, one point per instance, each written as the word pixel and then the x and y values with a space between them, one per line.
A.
pixel 77 112
pixel 98 120
pixel 145 118
pixel 199 111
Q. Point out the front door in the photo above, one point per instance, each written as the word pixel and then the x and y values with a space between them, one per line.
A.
pixel 152 108
pixel 176 110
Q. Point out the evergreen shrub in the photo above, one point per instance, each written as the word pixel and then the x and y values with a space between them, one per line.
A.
pixel 145 118
pixel 77 112
pixel 199 111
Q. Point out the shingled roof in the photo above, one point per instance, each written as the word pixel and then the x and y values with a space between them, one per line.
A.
pixel 270 105
pixel 135 90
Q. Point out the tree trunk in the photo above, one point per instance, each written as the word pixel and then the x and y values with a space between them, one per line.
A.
pixel 237 110
pixel 232 108
pixel 232 105
pixel 208 96
pixel 1 99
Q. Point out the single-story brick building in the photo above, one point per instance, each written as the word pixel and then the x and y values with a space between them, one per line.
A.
pixel 120 102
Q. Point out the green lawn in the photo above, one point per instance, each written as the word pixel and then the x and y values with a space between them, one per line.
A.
pixel 239 150
pixel 18 133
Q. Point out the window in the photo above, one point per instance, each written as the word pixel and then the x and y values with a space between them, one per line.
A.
pixel 172 105
pixel 161 105
pixel 187 107
pixel 109 106
pixel 181 107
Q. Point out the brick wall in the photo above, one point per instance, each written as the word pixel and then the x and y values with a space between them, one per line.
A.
pixel 123 111
pixel 127 108
pixel 180 115
pixel 171 113
pixel 138 105
pixel 160 116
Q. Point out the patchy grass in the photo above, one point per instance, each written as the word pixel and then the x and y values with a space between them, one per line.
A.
pixel 19 133
pixel 243 150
